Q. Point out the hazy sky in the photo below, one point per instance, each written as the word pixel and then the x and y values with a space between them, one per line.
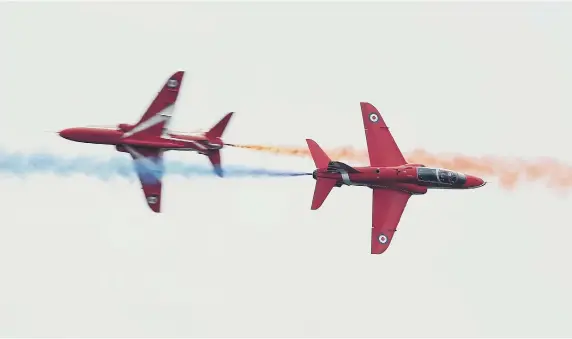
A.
pixel 242 257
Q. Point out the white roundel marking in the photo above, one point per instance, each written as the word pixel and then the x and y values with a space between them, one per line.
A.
pixel 172 83
pixel 152 200
pixel 382 239
pixel 373 117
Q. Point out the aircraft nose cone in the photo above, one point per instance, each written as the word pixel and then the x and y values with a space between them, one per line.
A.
pixel 64 133
pixel 474 182
pixel 67 133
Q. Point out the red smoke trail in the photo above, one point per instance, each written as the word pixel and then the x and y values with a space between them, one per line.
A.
pixel 510 171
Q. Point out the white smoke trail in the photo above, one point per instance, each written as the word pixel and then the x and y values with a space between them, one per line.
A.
pixel 24 164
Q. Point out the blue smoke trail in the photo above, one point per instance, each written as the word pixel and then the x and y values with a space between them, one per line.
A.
pixel 24 164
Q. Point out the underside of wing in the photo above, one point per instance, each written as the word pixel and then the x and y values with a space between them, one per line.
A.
pixel 382 148
pixel 148 163
pixel 388 206
pixel 159 113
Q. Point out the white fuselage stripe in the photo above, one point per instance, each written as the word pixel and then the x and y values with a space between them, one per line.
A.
pixel 194 142
pixel 158 118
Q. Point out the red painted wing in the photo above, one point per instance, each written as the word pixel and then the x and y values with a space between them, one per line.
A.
pixel 158 114
pixel 148 164
pixel 388 206
pixel 382 148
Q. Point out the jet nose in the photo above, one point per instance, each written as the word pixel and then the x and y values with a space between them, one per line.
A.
pixel 67 133
pixel 474 182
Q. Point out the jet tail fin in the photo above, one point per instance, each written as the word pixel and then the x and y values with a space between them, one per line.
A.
pixel 323 185
pixel 214 158
pixel 323 188
pixel 217 130
pixel 321 159
pixel 214 133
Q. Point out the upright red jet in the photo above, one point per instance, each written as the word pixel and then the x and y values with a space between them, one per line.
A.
pixel 146 140
pixel 391 178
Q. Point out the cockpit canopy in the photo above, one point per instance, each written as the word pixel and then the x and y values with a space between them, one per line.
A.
pixel 440 176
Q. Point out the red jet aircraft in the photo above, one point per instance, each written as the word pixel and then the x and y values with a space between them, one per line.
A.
pixel 149 138
pixel 391 178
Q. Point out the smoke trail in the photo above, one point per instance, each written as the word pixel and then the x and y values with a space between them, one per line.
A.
pixel 510 171
pixel 22 164
pixel 347 153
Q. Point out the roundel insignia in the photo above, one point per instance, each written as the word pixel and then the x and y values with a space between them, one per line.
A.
pixel 152 199
pixel 373 117
pixel 382 238
pixel 172 83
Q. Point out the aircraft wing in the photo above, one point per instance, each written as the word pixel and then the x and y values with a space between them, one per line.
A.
pixel 158 114
pixel 388 206
pixel 382 149
pixel 149 166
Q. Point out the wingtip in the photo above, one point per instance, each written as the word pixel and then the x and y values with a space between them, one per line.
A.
pixel 218 171
pixel 178 75
pixel 377 250
pixel 310 143
pixel 368 106
pixel 228 116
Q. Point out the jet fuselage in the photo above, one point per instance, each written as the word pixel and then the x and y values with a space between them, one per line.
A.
pixel 413 179
pixel 168 141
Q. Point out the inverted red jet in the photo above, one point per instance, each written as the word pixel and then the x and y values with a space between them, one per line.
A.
pixel 146 140
pixel 391 178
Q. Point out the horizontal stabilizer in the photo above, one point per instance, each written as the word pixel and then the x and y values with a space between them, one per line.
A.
pixel 214 158
pixel 321 191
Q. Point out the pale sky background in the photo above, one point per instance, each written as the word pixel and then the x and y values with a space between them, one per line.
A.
pixel 242 257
